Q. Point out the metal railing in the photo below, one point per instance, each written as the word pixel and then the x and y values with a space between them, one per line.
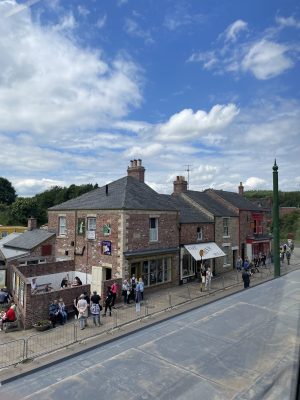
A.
pixel 18 351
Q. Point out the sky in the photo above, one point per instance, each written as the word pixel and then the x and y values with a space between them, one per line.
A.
pixel 206 89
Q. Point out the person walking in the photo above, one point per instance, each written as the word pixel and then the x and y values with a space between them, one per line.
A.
pixel 108 301
pixel 239 263
pixel 138 298
pixel 82 307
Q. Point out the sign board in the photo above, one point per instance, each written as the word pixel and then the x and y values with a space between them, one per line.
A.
pixel 106 247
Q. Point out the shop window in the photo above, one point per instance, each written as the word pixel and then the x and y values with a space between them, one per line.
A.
pixel 62 226
pixel 156 271
pixel 153 229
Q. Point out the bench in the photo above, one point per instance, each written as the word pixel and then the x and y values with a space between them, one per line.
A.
pixel 42 288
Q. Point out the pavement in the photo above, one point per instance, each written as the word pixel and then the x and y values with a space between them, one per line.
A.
pixel 240 347
pixel 56 344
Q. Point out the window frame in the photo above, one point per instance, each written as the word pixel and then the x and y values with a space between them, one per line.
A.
pixel 225 227
pixel 153 232
pixel 62 228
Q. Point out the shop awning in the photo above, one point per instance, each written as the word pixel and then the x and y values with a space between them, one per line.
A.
pixel 210 250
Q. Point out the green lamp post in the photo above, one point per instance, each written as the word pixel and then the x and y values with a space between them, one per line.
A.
pixel 276 247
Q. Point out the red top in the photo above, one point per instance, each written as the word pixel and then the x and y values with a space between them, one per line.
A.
pixel 10 315
pixel 114 288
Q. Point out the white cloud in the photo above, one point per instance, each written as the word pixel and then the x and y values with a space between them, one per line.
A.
pixel 254 183
pixel 29 186
pixel 101 22
pixel 147 151
pixel 289 22
pixel 132 28
pixel 83 11
pixel 186 124
pixel 267 59
pixel 234 29
pixel 49 85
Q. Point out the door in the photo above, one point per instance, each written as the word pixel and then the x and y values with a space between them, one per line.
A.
pixel 96 284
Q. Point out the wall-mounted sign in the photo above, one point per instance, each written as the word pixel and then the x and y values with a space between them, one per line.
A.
pixel 106 247
pixel 80 226
pixel 106 229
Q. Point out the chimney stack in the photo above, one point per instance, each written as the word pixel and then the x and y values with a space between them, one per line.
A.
pixel 180 185
pixel 241 189
pixel 136 170
pixel 32 224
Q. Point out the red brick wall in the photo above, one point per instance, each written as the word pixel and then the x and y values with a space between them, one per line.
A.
pixel 188 233
pixel 288 210
pixel 138 230
pixel 45 269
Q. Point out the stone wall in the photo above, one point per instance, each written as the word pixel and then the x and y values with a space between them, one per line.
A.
pixel 188 233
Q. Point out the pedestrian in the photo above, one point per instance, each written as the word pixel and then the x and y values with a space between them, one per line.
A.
pixel 108 301
pixel 138 298
pixel 95 312
pixel 63 311
pixel 288 256
pixel 114 290
pixel 208 276
pixel 82 307
pixel 132 287
pixel 142 287
pixel 246 263
pixel 239 263
pixel 75 302
pixel 125 291
pixel 246 278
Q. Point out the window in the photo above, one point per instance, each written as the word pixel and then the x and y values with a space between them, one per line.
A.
pixel 225 227
pixel 62 224
pixel 156 271
pixel 226 258
pixel 199 233
pixel 91 228
pixel 153 229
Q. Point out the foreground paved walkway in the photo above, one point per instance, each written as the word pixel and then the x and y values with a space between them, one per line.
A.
pixel 244 346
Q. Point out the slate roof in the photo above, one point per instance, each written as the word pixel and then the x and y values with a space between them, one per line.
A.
pixel 10 253
pixel 127 193
pixel 188 213
pixel 29 239
pixel 213 206
pixel 236 200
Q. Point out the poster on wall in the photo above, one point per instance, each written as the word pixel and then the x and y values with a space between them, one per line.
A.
pixel 106 247
pixel 106 229
pixel 2 278
pixel 80 226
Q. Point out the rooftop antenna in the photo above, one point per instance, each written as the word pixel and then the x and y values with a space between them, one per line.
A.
pixel 188 173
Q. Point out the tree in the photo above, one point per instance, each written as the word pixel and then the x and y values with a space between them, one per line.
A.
pixel 7 192
pixel 22 209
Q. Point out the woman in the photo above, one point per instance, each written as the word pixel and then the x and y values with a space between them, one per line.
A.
pixel 82 306
pixel 141 288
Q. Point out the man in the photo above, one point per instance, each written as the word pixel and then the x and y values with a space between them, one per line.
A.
pixel 246 278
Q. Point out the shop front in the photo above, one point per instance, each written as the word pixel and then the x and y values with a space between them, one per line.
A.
pixel 258 246
pixel 155 268
pixel 193 256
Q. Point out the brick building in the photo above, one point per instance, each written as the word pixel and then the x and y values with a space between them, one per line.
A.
pixel 223 227
pixel 253 221
pixel 117 230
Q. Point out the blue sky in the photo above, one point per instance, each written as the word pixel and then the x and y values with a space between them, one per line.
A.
pixel 86 86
